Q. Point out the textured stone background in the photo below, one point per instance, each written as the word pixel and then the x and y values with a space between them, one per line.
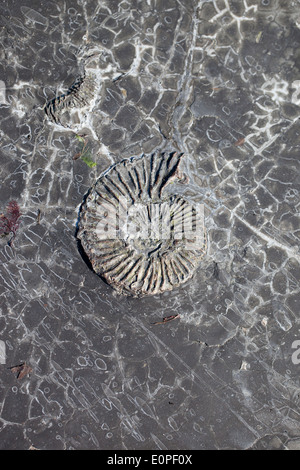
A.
pixel 220 81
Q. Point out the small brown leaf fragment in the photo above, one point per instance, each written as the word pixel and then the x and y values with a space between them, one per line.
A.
pixel 16 368
pixel 124 92
pixel 38 217
pixel 77 155
pixel 21 370
pixel 239 142
pixel 25 370
pixel 166 319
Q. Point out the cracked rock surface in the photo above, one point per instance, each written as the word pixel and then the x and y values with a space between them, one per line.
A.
pixel 219 81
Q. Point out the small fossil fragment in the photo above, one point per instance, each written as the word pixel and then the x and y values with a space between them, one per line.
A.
pixel 79 95
pixel 72 108
pixel 138 237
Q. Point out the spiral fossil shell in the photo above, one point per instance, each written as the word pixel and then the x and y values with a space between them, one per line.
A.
pixel 79 95
pixel 140 239
pixel 70 108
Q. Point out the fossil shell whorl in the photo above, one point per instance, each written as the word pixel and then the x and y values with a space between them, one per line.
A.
pixel 139 238
pixel 69 109
pixel 79 95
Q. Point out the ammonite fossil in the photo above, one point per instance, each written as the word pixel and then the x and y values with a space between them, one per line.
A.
pixel 140 238
pixel 79 95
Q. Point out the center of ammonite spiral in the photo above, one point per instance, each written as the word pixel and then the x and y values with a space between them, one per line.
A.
pixel 140 241
pixel 152 229
pixel 148 229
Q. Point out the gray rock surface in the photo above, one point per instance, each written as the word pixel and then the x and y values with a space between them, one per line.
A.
pixel 219 81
